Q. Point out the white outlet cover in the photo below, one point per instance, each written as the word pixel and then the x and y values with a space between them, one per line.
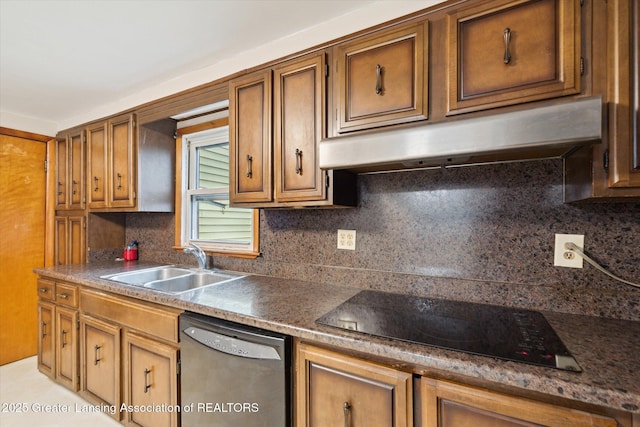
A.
pixel 347 239
pixel 559 259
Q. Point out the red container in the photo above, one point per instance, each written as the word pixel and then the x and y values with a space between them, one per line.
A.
pixel 131 254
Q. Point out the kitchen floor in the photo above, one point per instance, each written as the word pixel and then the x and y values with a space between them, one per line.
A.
pixel 30 398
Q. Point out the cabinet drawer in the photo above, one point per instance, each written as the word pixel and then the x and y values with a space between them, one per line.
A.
pixel 504 53
pixel 382 79
pixel 66 294
pixel 152 319
pixel 46 289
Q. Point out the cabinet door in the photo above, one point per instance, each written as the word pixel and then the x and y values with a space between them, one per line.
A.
pixel 100 361
pixel 504 52
pixel 46 338
pixel 76 170
pixel 97 165
pixel 299 105
pixel 250 147
pixel 62 161
pixel 338 390
pixel 66 353
pixel 445 404
pixel 60 236
pixel 151 378
pixel 77 240
pixel 122 148
pixel 382 79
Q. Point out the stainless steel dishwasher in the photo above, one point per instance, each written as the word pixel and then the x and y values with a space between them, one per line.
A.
pixel 233 375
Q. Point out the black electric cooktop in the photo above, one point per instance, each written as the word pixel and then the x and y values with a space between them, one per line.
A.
pixel 487 330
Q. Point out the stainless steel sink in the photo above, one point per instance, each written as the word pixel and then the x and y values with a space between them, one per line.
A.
pixel 140 277
pixel 172 279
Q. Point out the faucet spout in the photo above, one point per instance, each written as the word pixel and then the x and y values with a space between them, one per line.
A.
pixel 198 253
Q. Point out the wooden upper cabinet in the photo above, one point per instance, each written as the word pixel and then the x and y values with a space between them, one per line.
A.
pixel 97 165
pixel 506 52
pixel 111 163
pixel 69 170
pixel 62 159
pixel 299 106
pixel 382 79
pixel 121 160
pixel 250 141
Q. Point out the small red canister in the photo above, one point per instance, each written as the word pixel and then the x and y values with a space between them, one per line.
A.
pixel 131 254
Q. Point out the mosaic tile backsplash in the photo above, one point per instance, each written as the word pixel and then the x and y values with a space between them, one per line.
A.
pixel 481 233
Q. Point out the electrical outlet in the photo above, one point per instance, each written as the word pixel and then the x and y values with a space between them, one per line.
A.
pixel 563 257
pixel 347 239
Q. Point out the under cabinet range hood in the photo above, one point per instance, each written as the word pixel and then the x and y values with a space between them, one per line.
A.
pixel 516 135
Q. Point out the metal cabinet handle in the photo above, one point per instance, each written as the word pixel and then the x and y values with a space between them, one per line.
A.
pixel 96 354
pixel 95 183
pixel 507 41
pixel 298 161
pixel 378 79
pixel 119 175
pixel 44 329
pixel 63 338
pixel 249 166
pixel 43 290
pixel 63 296
pixel 147 385
pixel 347 413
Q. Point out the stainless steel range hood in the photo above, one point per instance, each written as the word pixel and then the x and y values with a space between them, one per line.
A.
pixel 562 126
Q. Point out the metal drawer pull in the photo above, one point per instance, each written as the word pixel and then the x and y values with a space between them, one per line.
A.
pixel 63 338
pixel 63 296
pixel 44 329
pixel 95 183
pixel 507 40
pixel 378 79
pixel 96 356
pixel 249 168
pixel 43 290
pixel 147 386
pixel 347 412
pixel 119 181
pixel 298 161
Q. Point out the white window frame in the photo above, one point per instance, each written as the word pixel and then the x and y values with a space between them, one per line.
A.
pixel 190 142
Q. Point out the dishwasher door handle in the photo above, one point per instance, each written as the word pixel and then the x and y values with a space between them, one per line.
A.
pixel 231 345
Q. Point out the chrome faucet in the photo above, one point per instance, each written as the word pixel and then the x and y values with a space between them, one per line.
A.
pixel 198 253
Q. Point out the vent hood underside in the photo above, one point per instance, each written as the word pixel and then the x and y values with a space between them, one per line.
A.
pixel 546 131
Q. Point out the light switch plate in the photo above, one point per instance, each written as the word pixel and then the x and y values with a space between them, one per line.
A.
pixel 347 239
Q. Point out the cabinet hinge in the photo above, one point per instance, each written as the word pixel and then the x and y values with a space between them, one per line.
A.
pixel 175 134
pixel 178 364
pixel 582 66
pixel 326 179
pixel 605 160
pixel 326 70
pixel 134 195
pixel 84 138
pixel 46 166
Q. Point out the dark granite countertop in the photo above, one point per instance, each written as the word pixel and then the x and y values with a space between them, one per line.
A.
pixel 606 349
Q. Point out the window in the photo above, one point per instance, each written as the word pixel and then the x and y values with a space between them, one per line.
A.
pixel 206 218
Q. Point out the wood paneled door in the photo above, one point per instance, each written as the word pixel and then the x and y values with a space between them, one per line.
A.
pixel 22 221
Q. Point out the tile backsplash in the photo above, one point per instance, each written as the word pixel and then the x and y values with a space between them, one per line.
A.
pixel 481 233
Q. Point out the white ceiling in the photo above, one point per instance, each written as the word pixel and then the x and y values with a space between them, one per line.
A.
pixel 65 62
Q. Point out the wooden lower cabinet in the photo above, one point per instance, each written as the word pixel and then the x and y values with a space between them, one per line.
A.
pixel 129 353
pixel 333 389
pixel 58 332
pixel 150 381
pixel 447 404
pixel 100 359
